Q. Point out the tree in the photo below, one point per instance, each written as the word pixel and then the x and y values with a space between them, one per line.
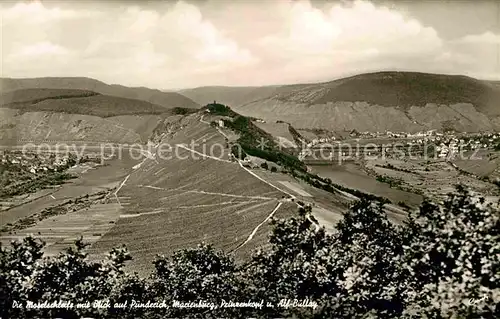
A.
pixel 296 266
pixel 264 165
pixel 17 263
pixel 453 258
pixel 367 249
pixel 197 274
pixel 68 277
pixel 444 262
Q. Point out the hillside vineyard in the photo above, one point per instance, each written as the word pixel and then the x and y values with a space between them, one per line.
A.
pixel 274 159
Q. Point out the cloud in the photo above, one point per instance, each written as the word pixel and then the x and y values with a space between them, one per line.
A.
pixel 34 13
pixel 359 26
pixel 340 35
pixel 42 48
pixel 174 45
pixel 126 45
pixel 487 37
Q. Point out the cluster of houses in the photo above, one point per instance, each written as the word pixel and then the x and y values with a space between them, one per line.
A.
pixel 447 149
pixel 322 140
pixel 34 164
pixel 450 145
pixel 446 145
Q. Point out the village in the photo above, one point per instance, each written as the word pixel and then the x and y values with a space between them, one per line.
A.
pixel 443 145
pixel 36 163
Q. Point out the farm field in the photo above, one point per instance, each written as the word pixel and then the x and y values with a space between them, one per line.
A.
pixel 161 204
pixel 434 179
pixel 294 187
pixel 327 207
pixel 89 181
pixel 170 200
pixel 226 225
pixel 24 199
pixel 482 163
pixel 59 232
pixel 22 211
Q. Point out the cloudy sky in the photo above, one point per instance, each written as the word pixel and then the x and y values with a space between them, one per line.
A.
pixel 172 45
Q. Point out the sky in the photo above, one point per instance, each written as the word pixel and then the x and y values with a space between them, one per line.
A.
pixel 182 44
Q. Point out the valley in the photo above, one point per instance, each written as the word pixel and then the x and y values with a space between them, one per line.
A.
pixel 166 178
pixel 250 159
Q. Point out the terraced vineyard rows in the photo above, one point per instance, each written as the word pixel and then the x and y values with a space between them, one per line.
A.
pixel 175 203
pixel 59 232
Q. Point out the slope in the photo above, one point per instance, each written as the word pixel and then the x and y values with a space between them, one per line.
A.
pixel 179 198
pixel 76 102
pixel 402 89
pixel 232 96
pixel 165 99
pixel 395 101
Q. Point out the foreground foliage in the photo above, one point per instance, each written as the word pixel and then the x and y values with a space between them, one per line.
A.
pixel 444 262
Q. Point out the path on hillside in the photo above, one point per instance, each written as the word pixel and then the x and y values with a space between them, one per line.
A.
pixel 263 180
pixel 148 155
pixel 120 187
pixel 291 196
pixel 203 121
pixel 217 128
pixel 208 193
pixel 183 146
pixel 217 204
pixel 252 234
pixel 264 200
pixel 239 162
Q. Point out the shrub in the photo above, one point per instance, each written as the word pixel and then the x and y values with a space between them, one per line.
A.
pixel 183 110
pixel 220 109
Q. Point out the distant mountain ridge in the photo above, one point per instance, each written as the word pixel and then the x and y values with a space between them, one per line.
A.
pixel 233 96
pixel 153 96
pixel 77 102
pixel 401 89
pixel 380 101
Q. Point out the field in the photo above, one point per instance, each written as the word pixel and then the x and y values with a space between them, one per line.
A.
pixel 160 204
pixel 433 179
pixel 63 229
pixel 296 188
pixel 195 192
pixel 484 163
pixel 327 207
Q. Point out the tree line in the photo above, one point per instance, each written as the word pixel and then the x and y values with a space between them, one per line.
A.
pixel 443 262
